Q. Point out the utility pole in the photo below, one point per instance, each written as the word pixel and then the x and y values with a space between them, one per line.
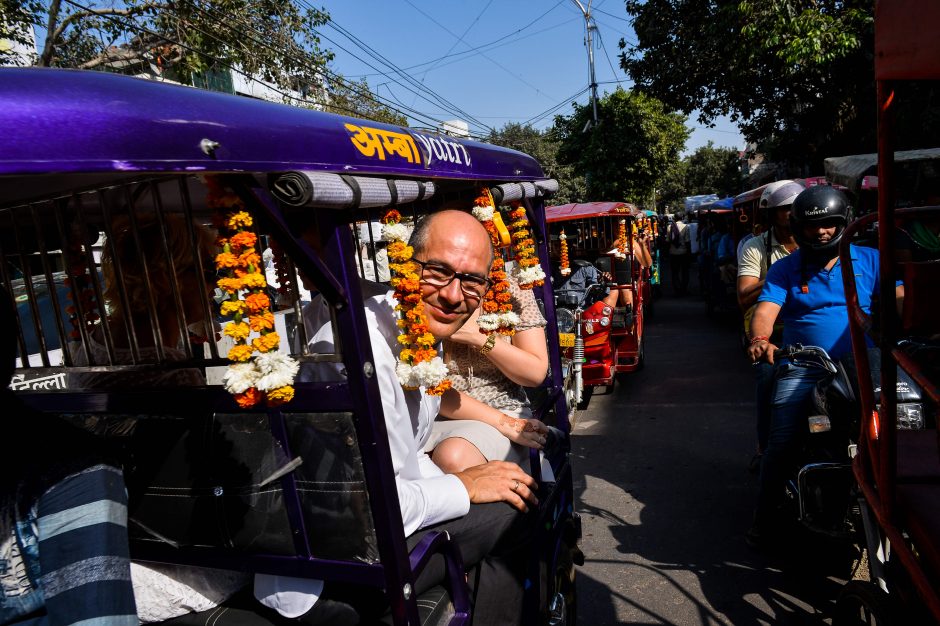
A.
pixel 589 42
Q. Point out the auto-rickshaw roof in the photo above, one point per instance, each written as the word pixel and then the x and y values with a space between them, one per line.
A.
pixel 72 121
pixel 750 195
pixel 906 42
pixel 851 170
pixel 565 212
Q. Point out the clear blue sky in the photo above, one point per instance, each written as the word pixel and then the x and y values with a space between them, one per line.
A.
pixel 506 60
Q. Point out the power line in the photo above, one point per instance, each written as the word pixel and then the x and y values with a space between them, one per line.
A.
pixel 365 94
pixel 625 36
pixel 600 41
pixel 442 102
pixel 459 39
pixel 490 46
pixel 485 56
pixel 551 110
pixel 134 26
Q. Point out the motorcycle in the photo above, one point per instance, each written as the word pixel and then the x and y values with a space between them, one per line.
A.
pixel 822 488
pixel 584 333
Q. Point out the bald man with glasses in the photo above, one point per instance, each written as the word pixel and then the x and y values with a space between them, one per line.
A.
pixel 484 508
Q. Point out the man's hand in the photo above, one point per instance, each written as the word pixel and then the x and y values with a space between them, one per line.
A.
pixel 761 350
pixel 470 333
pixel 499 481
pixel 527 432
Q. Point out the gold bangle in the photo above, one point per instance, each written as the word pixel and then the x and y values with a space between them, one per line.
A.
pixel 488 344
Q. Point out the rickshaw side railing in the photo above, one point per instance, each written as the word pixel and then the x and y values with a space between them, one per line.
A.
pixel 875 466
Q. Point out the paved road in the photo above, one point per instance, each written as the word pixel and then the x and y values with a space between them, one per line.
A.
pixel 660 474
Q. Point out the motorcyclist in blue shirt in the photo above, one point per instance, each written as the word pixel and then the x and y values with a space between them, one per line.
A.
pixel 805 291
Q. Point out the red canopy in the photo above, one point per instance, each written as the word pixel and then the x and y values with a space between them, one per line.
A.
pixel 583 210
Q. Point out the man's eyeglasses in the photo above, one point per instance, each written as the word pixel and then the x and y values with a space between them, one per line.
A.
pixel 438 275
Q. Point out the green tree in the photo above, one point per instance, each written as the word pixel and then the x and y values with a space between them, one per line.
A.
pixel 543 146
pixel 713 170
pixel 357 99
pixel 628 154
pixel 795 74
pixel 273 40
pixel 672 188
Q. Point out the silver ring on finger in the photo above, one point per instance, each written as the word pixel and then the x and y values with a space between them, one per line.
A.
pixel 515 485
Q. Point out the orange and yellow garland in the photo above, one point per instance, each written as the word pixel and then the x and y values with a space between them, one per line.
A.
pixel 563 261
pixel 258 372
pixel 528 272
pixel 497 315
pixel 419 364
pixel 622 238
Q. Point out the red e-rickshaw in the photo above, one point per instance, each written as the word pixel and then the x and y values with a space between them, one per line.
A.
pixel 601 334
pixel 898 471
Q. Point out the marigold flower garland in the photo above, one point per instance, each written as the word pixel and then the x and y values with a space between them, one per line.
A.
pixel 497 315
pixel 528 272
pixel 563 259
pixel 419 364
pixel 258 371
pixel 622 238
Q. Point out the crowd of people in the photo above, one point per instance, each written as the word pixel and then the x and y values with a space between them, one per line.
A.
pixel 787 277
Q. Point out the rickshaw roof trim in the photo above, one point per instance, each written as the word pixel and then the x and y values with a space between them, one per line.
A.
pixel 851 170
pixel 750 195
pixel 583 210
pixel 74 121
pixel 906 46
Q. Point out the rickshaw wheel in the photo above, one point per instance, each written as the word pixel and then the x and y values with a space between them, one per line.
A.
pixel 586 394
pixel 863 603
pixel 566 585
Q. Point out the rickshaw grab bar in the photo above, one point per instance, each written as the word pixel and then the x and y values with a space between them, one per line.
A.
pixel 510 192
pixel 338 191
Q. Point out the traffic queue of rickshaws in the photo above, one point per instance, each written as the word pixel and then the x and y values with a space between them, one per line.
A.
pixel 603 292
pixel 233 458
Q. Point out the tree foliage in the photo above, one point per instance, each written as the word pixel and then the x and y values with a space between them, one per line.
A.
pixel 357 99
pixel 795 74
pixel 713 170
pixel 628 154
pixel 273 40
pixel 543 146
pixel 194 42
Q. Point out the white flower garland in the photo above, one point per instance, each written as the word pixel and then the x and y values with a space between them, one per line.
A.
pixel 266 371
pixel 528 274
pixel 483 213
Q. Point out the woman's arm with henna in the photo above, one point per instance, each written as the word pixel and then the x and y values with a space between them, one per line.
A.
pixel 459 406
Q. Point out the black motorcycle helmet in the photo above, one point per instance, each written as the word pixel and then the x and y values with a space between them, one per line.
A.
pixel 819 204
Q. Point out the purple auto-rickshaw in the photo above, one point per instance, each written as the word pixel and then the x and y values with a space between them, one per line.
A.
pixel 304 489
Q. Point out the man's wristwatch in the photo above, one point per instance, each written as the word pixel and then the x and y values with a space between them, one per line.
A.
pixel 488 344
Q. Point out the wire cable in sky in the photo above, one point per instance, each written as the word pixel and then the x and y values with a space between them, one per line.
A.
pixel 444 103
pixel 600 41
pixel 554 108
pixel 485 56
pixel 459 39
pixel 463 55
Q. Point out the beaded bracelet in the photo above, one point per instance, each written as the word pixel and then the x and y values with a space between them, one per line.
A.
pixel 758 339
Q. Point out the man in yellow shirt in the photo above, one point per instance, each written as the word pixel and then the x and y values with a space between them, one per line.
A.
pixel 757 255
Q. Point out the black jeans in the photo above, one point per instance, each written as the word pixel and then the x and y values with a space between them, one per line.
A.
pixel 494 542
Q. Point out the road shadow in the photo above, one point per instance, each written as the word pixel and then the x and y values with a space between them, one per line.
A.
pixel 662 484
